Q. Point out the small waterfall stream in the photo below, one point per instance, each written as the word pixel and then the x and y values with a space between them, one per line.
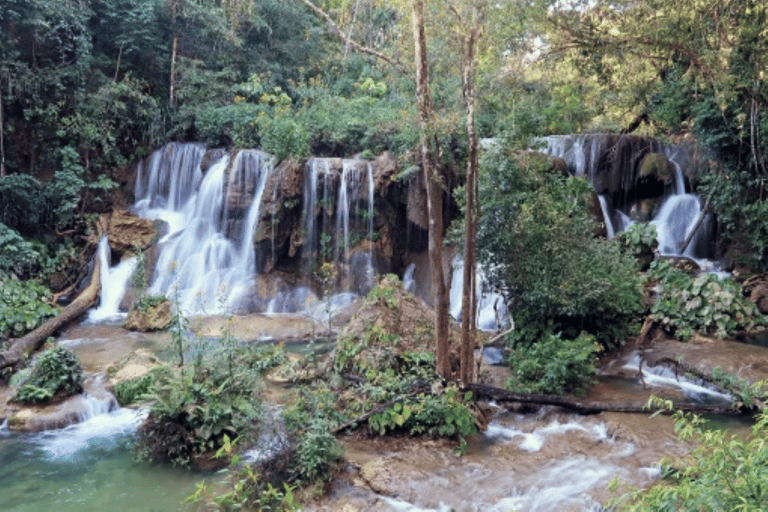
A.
pixel 611 163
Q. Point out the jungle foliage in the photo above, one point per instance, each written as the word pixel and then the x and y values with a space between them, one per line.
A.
pixel 561 279
pixel 723 472
pixel 55 371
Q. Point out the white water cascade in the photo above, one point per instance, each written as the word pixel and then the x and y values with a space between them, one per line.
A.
pixel 207 261
pixel 492 313
pixel 114 281
pixel 608 161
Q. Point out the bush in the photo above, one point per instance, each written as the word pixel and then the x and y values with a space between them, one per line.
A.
pixel 640 241
pixel 723 472
pixel 17 255
pixel 553 365
pixel 54 371
pixel 23 307
pixel 192 413
pixel 317 452
pixel 446 414
pixel 560 277
pixel 704 303
pixel 283 137
pixel 130 391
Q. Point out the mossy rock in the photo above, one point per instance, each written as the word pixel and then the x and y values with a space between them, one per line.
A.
pixel 658 166
pixel 154 318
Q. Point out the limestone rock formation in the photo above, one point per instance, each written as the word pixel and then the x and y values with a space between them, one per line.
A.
pixel 128 232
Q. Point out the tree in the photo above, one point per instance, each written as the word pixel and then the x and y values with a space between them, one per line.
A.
pixel 434 185
pixel 470 37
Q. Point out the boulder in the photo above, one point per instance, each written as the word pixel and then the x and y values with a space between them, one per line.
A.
pixel 153 318
pixel 657 166
pixel 127 232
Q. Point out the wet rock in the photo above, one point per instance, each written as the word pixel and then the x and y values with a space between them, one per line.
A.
pixel 560 166
pixel 759 296
pixel 128 232
pixel 153 318
pixel 656 166
pixel 72 410
pixel 211 157
pixel 682 263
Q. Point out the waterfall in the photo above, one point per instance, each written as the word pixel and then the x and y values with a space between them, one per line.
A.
pixel 491 313
pixel 207 262
pixel 612 163
pixel 610 233
pixel 114 282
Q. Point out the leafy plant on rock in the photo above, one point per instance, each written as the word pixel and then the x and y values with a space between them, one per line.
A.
pixel 704 303
pixel 55 371
pixel 23 306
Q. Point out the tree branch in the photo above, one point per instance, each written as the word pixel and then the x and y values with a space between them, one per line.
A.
pixel 351 42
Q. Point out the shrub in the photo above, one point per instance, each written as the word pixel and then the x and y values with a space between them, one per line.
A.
pixel 55 370
pixel 130 391
pixel 560 277
pixel 23 306
pixel 191 414
pixel 724 472
pixel 446 414
pixel 640 241
pixel 283 137
pixel 704 303
pixel 554 365
pixel 317 452
pixel 16 254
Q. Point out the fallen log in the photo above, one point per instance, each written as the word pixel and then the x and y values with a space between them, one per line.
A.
pixel 23 347
pixel 582 407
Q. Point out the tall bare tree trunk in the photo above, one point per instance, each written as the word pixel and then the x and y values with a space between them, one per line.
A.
pixel 434 188
pixel 173 8
pixel 469 297
pixel 2 136
pixel 174 53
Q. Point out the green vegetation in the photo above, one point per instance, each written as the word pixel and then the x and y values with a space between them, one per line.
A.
pixel 554 365
pixel 129 392
pixel 561 277
pixel 56 371
pixel 192 410
pixel 704 303
pixel 722 473
pixel 23 306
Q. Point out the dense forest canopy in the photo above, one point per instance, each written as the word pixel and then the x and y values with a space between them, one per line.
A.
pixel 88 86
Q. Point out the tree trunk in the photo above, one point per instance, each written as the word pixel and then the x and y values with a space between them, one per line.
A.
pixel 2 135
pixel 22 348
pixel 469 306
pixel 433 184
pixel 174 54
pixel 502 395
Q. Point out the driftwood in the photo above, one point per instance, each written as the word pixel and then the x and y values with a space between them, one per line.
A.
pixel 502 395
pixel 23 347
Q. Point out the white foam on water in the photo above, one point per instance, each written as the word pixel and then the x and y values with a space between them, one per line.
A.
pixel 404 506
pixel 662 376
pixel 534 441
pixel 103 430
pixel 563 485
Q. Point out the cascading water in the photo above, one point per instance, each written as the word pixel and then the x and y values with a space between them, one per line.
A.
pixel 207 261
pixel 492 313
pixel 611 163
pixel 114 281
